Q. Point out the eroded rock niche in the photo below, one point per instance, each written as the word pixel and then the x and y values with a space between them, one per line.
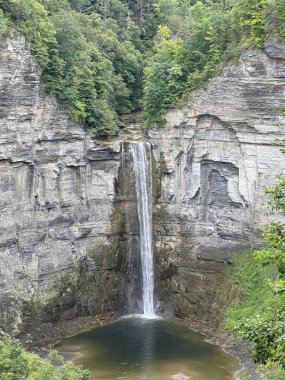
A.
pixel 69 242
pixel 215 157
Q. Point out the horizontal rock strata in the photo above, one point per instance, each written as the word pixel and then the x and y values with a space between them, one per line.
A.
pixel 68 227
pixel 215 157
pixel 57 188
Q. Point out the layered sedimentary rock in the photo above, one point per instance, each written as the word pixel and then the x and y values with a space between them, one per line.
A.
pixel 215 157
pixel 57 189
pixel 69 240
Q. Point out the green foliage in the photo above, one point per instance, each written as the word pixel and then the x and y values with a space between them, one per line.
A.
pixel 13 360
pixel 247 289
pixel 18 364
pixel 104 58
pixel 277 374
pixel 249 17
pixel 4 24
pixel 265 330
pixel 91 64
pixel 278 194
pixel 207 33
pixel 137 17
pixel 164 75
pixel 243 375
pixel 276 16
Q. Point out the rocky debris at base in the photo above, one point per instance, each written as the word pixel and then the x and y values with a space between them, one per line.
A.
pixel 41 338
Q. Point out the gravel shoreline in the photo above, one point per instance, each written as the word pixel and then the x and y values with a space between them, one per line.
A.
pixel 42 337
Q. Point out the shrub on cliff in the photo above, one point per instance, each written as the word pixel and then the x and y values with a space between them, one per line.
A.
pixel 18 364
pixel 265 329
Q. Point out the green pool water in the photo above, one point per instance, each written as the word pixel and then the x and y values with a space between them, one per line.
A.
pixel 155 349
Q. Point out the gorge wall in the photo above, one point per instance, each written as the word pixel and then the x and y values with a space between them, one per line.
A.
pixel 57 189
pixel 215 157
pixel 68 226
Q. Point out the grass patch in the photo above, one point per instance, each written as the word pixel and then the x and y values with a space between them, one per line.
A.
pixel 246 291
pixel 243 375
pixel 246 294
pixel 278 374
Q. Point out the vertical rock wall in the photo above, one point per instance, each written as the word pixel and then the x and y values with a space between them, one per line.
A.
pixel 69 239
pixel 58 249
pixel 215 157
pixel 127 226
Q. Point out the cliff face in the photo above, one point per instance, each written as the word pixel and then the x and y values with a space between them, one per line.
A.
pixel 69 227
pixel 215 158
pixel 57 190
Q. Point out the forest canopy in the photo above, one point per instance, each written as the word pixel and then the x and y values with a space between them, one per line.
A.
pixel 105 58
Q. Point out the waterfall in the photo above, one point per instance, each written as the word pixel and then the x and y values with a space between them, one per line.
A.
pixel 141 155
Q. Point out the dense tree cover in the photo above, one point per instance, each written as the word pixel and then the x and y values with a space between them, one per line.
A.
pixel 265 330
pixel 93 52
pixel 194 37
pixel 91 64
pixel 18 364
pixel 137 16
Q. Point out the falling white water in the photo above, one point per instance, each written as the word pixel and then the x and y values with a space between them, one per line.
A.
pixel 141 154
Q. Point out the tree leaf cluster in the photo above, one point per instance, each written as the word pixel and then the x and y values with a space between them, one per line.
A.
pixel 90 63
pixel 104 58
pixel 18 364
pixel 201 35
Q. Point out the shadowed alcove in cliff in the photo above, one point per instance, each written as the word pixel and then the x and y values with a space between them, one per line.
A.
pixel 137 141
pixel 219 184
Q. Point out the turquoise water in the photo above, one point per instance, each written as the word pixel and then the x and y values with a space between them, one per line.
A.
pixel 156 349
